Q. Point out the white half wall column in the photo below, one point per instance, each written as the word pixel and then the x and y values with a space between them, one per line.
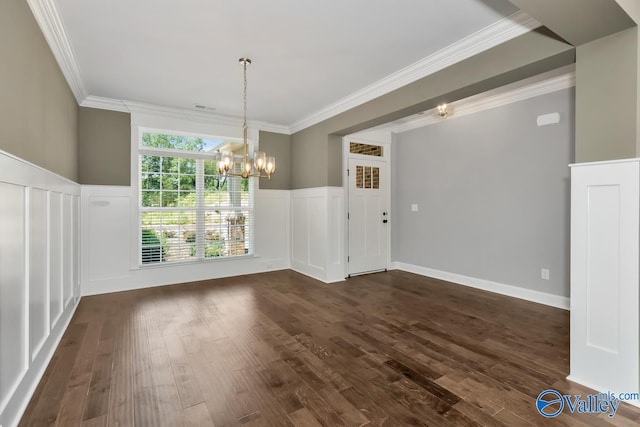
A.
pixel 605 266
pixel 317 233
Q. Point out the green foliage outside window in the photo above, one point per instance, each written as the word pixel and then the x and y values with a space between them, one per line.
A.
pixel 171 180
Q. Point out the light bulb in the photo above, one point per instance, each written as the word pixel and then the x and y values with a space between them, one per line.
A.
pixel 225 163
pixel 270 166
pixel 259 160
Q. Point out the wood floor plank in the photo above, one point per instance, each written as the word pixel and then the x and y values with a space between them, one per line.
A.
pixel 303 418
pixel 121 411
pixel 342 407
pixel 98 398
pixel 280 349
pixel 48 406
pixel 72 407
pixel 198 416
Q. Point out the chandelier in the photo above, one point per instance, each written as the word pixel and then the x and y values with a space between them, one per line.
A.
pixel 261 166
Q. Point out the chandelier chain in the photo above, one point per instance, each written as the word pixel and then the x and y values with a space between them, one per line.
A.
pixel 245 94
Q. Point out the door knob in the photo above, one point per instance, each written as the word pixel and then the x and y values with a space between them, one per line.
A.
pixel 384 221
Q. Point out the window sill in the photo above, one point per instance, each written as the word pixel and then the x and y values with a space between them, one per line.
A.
pixel 198 262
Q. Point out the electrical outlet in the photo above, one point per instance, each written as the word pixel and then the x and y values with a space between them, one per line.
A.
pixel 414 207
pixel 544 274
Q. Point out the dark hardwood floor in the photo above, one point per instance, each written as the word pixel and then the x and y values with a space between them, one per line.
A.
pixel 281 349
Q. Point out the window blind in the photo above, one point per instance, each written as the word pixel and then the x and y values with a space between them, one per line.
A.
pixel 187 212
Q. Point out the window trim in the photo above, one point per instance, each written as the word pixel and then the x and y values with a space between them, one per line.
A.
pixel 141 123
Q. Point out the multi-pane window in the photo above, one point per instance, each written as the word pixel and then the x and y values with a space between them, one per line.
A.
pixel 367 177
pixel 188 212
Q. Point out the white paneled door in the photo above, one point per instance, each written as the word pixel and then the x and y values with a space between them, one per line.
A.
pixel 368 216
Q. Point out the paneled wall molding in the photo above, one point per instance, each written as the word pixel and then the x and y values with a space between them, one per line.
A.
pixel 486 285
pixel 39 275
pixel 605 266
pixel 317 233
pixel 48 19
pixel 502 31
pixel 107 233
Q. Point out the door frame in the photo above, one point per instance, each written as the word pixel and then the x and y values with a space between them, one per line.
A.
pixel 386 158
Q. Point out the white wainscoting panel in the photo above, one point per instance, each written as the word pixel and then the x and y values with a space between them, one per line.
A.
pixel 67 239
pixel 605 264
pixel 299 230
pixel 108 230
pixel 38 267
pixel 108 233
pixel 336 269
pixel 76 246
pixel 37 219
pixel 317 233
pixel 272 229
pixel 55 256
pixel 12 289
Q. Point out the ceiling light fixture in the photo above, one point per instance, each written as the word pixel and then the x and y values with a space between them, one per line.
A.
pixel 250 167
pixel 442 111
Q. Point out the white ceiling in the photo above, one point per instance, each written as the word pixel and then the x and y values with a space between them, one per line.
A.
pixel 307 54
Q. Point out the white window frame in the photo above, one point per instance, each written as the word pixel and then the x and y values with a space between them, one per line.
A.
pixel 142 122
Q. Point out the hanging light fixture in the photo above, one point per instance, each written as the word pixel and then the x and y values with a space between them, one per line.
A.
pixel 250 167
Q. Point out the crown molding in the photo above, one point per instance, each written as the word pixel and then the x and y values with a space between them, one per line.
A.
pixel 48 19
pixel 489 100
pixel 126 106
pixel 502 31
pixel 105 104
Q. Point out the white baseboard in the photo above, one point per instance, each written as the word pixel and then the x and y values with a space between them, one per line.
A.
pixel 309 271
pixel 150 277
pixel 599 389
pixel 487 285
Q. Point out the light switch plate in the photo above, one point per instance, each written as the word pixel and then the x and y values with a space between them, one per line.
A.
pixel 414 207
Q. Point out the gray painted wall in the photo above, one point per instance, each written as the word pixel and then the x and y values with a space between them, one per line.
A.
pixel 493 194
pixel 607 97
pixel 278 145
pixel 38 112
pixel 104 147
pixel 607 71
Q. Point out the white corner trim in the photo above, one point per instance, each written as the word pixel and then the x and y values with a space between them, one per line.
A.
pixel 502 31
pixel 487 285
pixel 179 113
pixel 486 101
pixel 48 19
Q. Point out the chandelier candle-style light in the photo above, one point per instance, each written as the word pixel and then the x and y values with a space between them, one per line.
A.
pixel 260 163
